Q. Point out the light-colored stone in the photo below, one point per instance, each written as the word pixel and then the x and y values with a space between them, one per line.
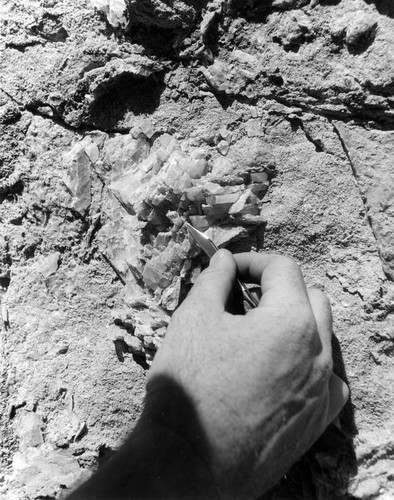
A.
pixel 49 265
pixel 366 489
pixel 28 428
pixel 360 28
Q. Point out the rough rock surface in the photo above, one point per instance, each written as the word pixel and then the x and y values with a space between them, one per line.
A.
pixel 268 124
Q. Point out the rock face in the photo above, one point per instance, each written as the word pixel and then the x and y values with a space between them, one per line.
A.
pixel 266 124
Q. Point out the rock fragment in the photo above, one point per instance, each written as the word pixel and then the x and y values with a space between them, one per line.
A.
pixel 223 235
pixel 222 77
pixel 208 24
pixel 48 25
pixel 28 428
pixel 134 344
pixel 223 147
pixel 244 58
pixel 288 4
pixel 115 11
pixel 92 152
pixel 171 295
pixel 148 12
pixel 147 129
pixel 357 28
pixel 361 28
pixel 294 30
pixel 9 113
pixel 155 276
pixel 200 222
pixel 5 316
pixel 246 204
pixel 78 179
pixel 142 330
pixel 49 265
pixel 123 78
pixel 42 469
pixel 366 489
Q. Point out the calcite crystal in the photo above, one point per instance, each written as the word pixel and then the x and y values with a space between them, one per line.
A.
pixel 78 179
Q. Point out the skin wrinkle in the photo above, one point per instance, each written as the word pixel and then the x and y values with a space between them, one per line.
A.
pixel 264 348
pixel 274 431
pixel 283 347
pixel 306 323
pixel 273 422
pixel 272 444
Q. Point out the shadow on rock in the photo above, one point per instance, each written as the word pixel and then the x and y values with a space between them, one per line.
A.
pixel 385 7
pixel 362 44
pixel 124 97
pixel 329 2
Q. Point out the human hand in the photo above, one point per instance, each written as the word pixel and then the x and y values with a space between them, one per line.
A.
pixel 260 385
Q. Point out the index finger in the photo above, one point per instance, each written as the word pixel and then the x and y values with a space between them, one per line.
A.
pixel 280 278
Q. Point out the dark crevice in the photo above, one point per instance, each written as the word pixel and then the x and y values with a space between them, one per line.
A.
pixel 56 118
pixel 33 108
pixel 384 124
pixel 346 151
pixel 104 454
pixel 10 189
pixel 121 348
pixel 226 101
pixel 11 97
pixel 124 95
pixel 345 116
pixel 355 293
pixel 354 172
pixel 296 123
pixel 21 47
pixel 120 277
pixel 140 359
pixel 385 7
pixel 363 121
pixel 5 280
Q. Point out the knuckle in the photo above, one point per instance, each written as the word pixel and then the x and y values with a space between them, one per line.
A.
pixel 304 330
pixel 305 322
pixel 324 363
pixel 328 363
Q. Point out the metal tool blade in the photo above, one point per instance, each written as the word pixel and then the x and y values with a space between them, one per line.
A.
pixel 210 249
pixel 202 240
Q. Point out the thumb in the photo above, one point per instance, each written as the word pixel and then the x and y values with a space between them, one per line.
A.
pixel 338 394
pixel 214 285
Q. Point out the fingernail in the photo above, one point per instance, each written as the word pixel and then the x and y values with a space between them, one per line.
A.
pixel 218 257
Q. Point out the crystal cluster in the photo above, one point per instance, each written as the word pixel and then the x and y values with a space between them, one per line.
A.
pixel 154 183
pixel 158 194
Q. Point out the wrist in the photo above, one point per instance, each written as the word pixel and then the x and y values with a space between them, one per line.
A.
pixel 160 460
pixel 180 441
